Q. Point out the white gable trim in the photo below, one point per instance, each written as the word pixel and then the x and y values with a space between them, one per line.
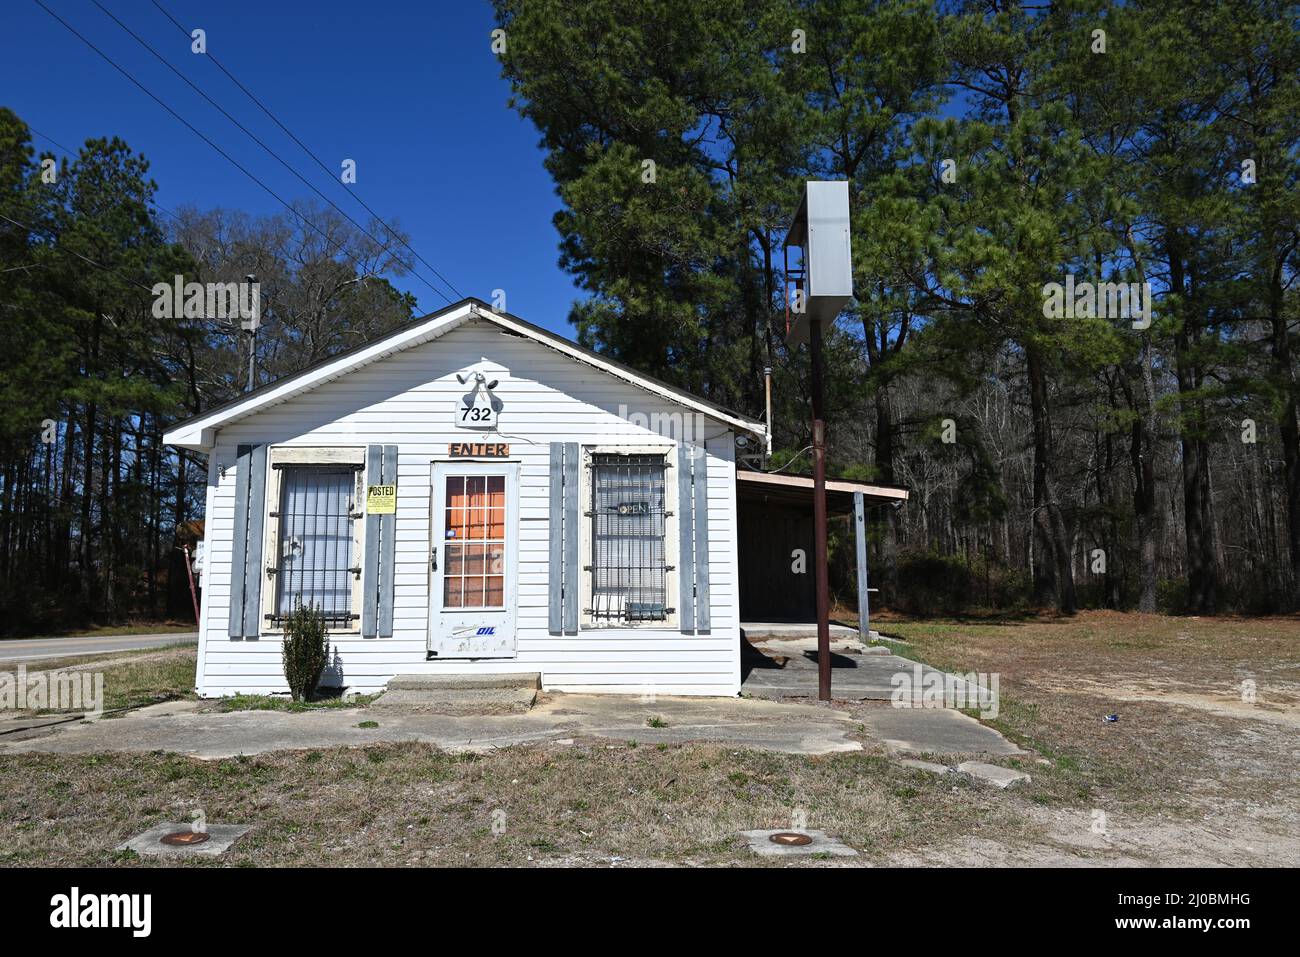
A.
pixel 199 433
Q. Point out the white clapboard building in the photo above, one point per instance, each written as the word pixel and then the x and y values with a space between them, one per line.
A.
pixel 473 494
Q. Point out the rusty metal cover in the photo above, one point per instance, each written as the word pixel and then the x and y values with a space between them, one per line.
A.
pixel 790 839
pixel 185 838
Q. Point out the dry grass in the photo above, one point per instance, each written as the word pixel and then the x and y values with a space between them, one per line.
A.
pixel 412 804
pixel 1176 684
pixel 133 678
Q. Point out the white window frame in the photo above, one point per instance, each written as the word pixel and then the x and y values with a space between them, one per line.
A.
pixel 586 558
pixel 313 455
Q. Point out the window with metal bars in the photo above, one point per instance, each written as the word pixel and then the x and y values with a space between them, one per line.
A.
pixel 314 563
pixel 629 570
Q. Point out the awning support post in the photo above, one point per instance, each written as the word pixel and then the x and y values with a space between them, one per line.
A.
pixel 860 538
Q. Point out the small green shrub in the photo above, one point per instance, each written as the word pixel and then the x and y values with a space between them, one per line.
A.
pixel 306 650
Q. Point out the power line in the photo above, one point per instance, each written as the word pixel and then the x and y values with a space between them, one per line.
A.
pixel 328 172
pixel 198 133
pixel 73 252
pixel 193 86
pixel 51 139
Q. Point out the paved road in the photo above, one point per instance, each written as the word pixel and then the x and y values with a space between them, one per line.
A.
pixel 26 649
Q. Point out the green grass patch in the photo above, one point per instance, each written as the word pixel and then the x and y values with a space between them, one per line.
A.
pixel 267 702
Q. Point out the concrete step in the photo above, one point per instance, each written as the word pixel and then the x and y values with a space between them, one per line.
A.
pixel 439 683
pixel 792 631
pixel 456 701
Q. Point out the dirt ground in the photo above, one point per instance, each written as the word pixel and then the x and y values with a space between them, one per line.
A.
pixel 1192 772
pixel 1202 765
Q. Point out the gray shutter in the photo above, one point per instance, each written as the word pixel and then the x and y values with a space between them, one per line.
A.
pixel 685 541
pixel 370 562
pixel 555 575
pixel 700 480
pixel 387 548
pixel 381 549
pixel 571 566
pixel 239 543
pixel 246 546
pixel 562 592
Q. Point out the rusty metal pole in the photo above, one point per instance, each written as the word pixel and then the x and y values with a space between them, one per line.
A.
pixel 189 570
pixel 819 517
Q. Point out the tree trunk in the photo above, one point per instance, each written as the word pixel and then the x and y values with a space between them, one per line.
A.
pixel 1053 574
pixel 1288 429
pixel 1202 584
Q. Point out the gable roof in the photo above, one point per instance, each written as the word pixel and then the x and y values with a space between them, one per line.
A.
pixel 199 432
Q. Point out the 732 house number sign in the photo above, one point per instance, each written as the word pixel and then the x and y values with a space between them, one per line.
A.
pixel 476 414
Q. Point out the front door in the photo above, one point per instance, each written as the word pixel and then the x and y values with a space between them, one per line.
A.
pixel 474 560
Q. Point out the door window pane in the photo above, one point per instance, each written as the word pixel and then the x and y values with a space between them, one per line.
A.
pixel 474 533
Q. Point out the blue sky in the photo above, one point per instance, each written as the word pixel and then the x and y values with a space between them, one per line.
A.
pixel 411 91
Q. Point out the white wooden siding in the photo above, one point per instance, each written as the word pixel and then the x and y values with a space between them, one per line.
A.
pixel 407 400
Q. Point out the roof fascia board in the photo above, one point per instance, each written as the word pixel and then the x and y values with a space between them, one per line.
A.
pixel 199 433
pixel 833 485
pixel 586 357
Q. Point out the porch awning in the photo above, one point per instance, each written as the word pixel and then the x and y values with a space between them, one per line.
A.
pixel 767 488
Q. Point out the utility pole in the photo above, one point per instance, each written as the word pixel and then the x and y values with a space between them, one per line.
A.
pixel 250 327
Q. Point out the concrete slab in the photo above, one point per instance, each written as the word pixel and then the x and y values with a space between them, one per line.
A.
pixel 760 842
pixel 992 774
pixel 854 676
pixel 763 725
pixel 932 731
pixel 765 630
pixel 220 838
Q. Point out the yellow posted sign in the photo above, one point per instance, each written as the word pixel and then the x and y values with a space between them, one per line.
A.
pixel 381 499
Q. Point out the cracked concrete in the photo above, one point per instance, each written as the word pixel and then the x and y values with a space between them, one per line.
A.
pixel 761 720
pixel 185 728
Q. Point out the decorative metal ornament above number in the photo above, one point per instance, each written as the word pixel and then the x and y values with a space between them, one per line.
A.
pixel 477 408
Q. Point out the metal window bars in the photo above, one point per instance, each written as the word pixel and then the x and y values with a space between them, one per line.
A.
pixel 629 570
pixel 314 562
